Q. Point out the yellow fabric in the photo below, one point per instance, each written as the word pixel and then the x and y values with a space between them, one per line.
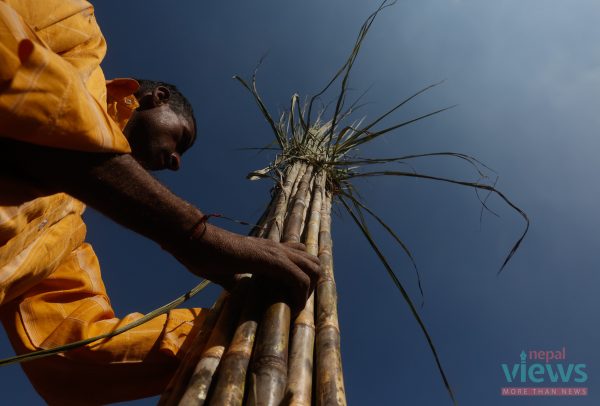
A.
pixel 53 90
pixel 53 93
pixel 120 99
pixel 72 304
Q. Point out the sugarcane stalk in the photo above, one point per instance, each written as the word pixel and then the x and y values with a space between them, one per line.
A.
pixel 297 215
pixel 269 365
pixel 177 385
pixel 329 378
pixel 261 227
pixel 230 381
pixel 295 188
pixel 198 387
pixel 300 370
pixel 314 222
pixel 277 222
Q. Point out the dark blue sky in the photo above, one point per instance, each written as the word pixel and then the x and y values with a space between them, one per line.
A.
pixel 526 78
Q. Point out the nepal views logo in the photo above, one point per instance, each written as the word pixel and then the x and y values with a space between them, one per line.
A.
pixel 544 373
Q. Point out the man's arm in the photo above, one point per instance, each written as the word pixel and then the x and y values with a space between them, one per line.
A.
pixel 116 185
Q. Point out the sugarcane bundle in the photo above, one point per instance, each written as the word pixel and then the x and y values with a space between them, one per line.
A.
pixel 252 349
pixel 250 345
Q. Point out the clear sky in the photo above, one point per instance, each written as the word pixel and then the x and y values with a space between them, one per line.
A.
pixel 526 78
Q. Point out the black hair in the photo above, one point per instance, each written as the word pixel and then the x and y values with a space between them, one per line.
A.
pixel 177 101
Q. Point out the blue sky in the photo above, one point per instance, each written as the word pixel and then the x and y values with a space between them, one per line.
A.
pixel 526 78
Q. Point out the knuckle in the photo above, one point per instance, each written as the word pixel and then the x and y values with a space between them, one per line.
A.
pixel 305 283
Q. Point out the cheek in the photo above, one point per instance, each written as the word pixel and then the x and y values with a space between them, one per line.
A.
pixel 144 147
pixel 137 132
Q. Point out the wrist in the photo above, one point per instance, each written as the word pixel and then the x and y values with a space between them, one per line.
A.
pixel 199 228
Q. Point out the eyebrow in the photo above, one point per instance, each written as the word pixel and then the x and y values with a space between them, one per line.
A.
pixel 189 136
pixel 192 137
pixel 192 134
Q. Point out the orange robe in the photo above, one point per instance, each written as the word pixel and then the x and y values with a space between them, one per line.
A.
pixel 53 93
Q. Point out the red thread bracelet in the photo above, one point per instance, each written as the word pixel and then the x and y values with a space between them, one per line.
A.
pixel 198 230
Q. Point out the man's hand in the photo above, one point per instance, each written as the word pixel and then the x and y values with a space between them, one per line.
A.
pixel 221 256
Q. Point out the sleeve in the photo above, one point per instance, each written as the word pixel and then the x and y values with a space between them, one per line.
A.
pixel 120 99
pixel 55 96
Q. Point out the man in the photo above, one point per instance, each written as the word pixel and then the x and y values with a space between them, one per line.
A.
pixel 63 141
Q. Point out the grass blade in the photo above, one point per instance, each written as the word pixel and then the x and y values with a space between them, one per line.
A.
pixel 353 143
pixel 481 186
pixel 391 232
pixel 77 344
pixel 281 140
pixel 405 295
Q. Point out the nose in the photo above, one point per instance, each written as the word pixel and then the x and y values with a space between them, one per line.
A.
pixel 174 161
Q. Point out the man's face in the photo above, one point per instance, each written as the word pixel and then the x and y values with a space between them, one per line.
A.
pixel 157 135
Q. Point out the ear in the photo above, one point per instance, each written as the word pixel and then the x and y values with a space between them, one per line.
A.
pixel 160 95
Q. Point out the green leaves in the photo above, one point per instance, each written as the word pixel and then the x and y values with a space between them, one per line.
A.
pixel 259 174
pixel 476 185
pixel 281 140
pixel 359 207
pixel 363 136
pixel 71 346
pixel 331 145
pixel 362 225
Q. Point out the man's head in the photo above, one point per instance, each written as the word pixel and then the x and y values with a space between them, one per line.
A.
pixel 162 128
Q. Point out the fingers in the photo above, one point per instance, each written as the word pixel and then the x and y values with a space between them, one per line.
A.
pixel 295 245
pixel 308 266
pixel 300 289
pixel 291 269
pixel 301 275
pixel 297 270
pixel 298 246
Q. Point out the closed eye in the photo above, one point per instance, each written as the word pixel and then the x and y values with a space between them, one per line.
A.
pixel 185 142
